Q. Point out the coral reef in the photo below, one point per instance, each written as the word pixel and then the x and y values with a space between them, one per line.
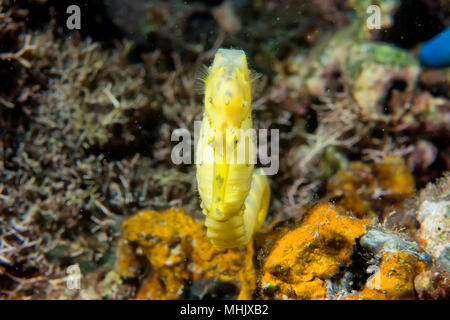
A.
pixel 86 118
pixel 179 255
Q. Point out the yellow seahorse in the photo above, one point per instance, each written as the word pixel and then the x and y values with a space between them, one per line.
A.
pixel 235 198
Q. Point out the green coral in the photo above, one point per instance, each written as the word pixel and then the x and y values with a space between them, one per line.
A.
pixel 377 53
pixel 349 48
pixel 390 55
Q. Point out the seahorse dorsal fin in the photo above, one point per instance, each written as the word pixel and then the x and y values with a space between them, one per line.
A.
pixel 201 75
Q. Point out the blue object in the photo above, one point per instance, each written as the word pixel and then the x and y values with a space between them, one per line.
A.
pixel 435 53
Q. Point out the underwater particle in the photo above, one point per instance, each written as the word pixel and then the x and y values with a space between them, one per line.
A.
pixel 435 53
pixel 178 253
pixel 303 259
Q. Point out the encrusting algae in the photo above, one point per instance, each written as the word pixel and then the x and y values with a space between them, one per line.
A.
pixel 179 253
pixel 303 259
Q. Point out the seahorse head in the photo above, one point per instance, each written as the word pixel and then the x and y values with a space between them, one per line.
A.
pixel 228 90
